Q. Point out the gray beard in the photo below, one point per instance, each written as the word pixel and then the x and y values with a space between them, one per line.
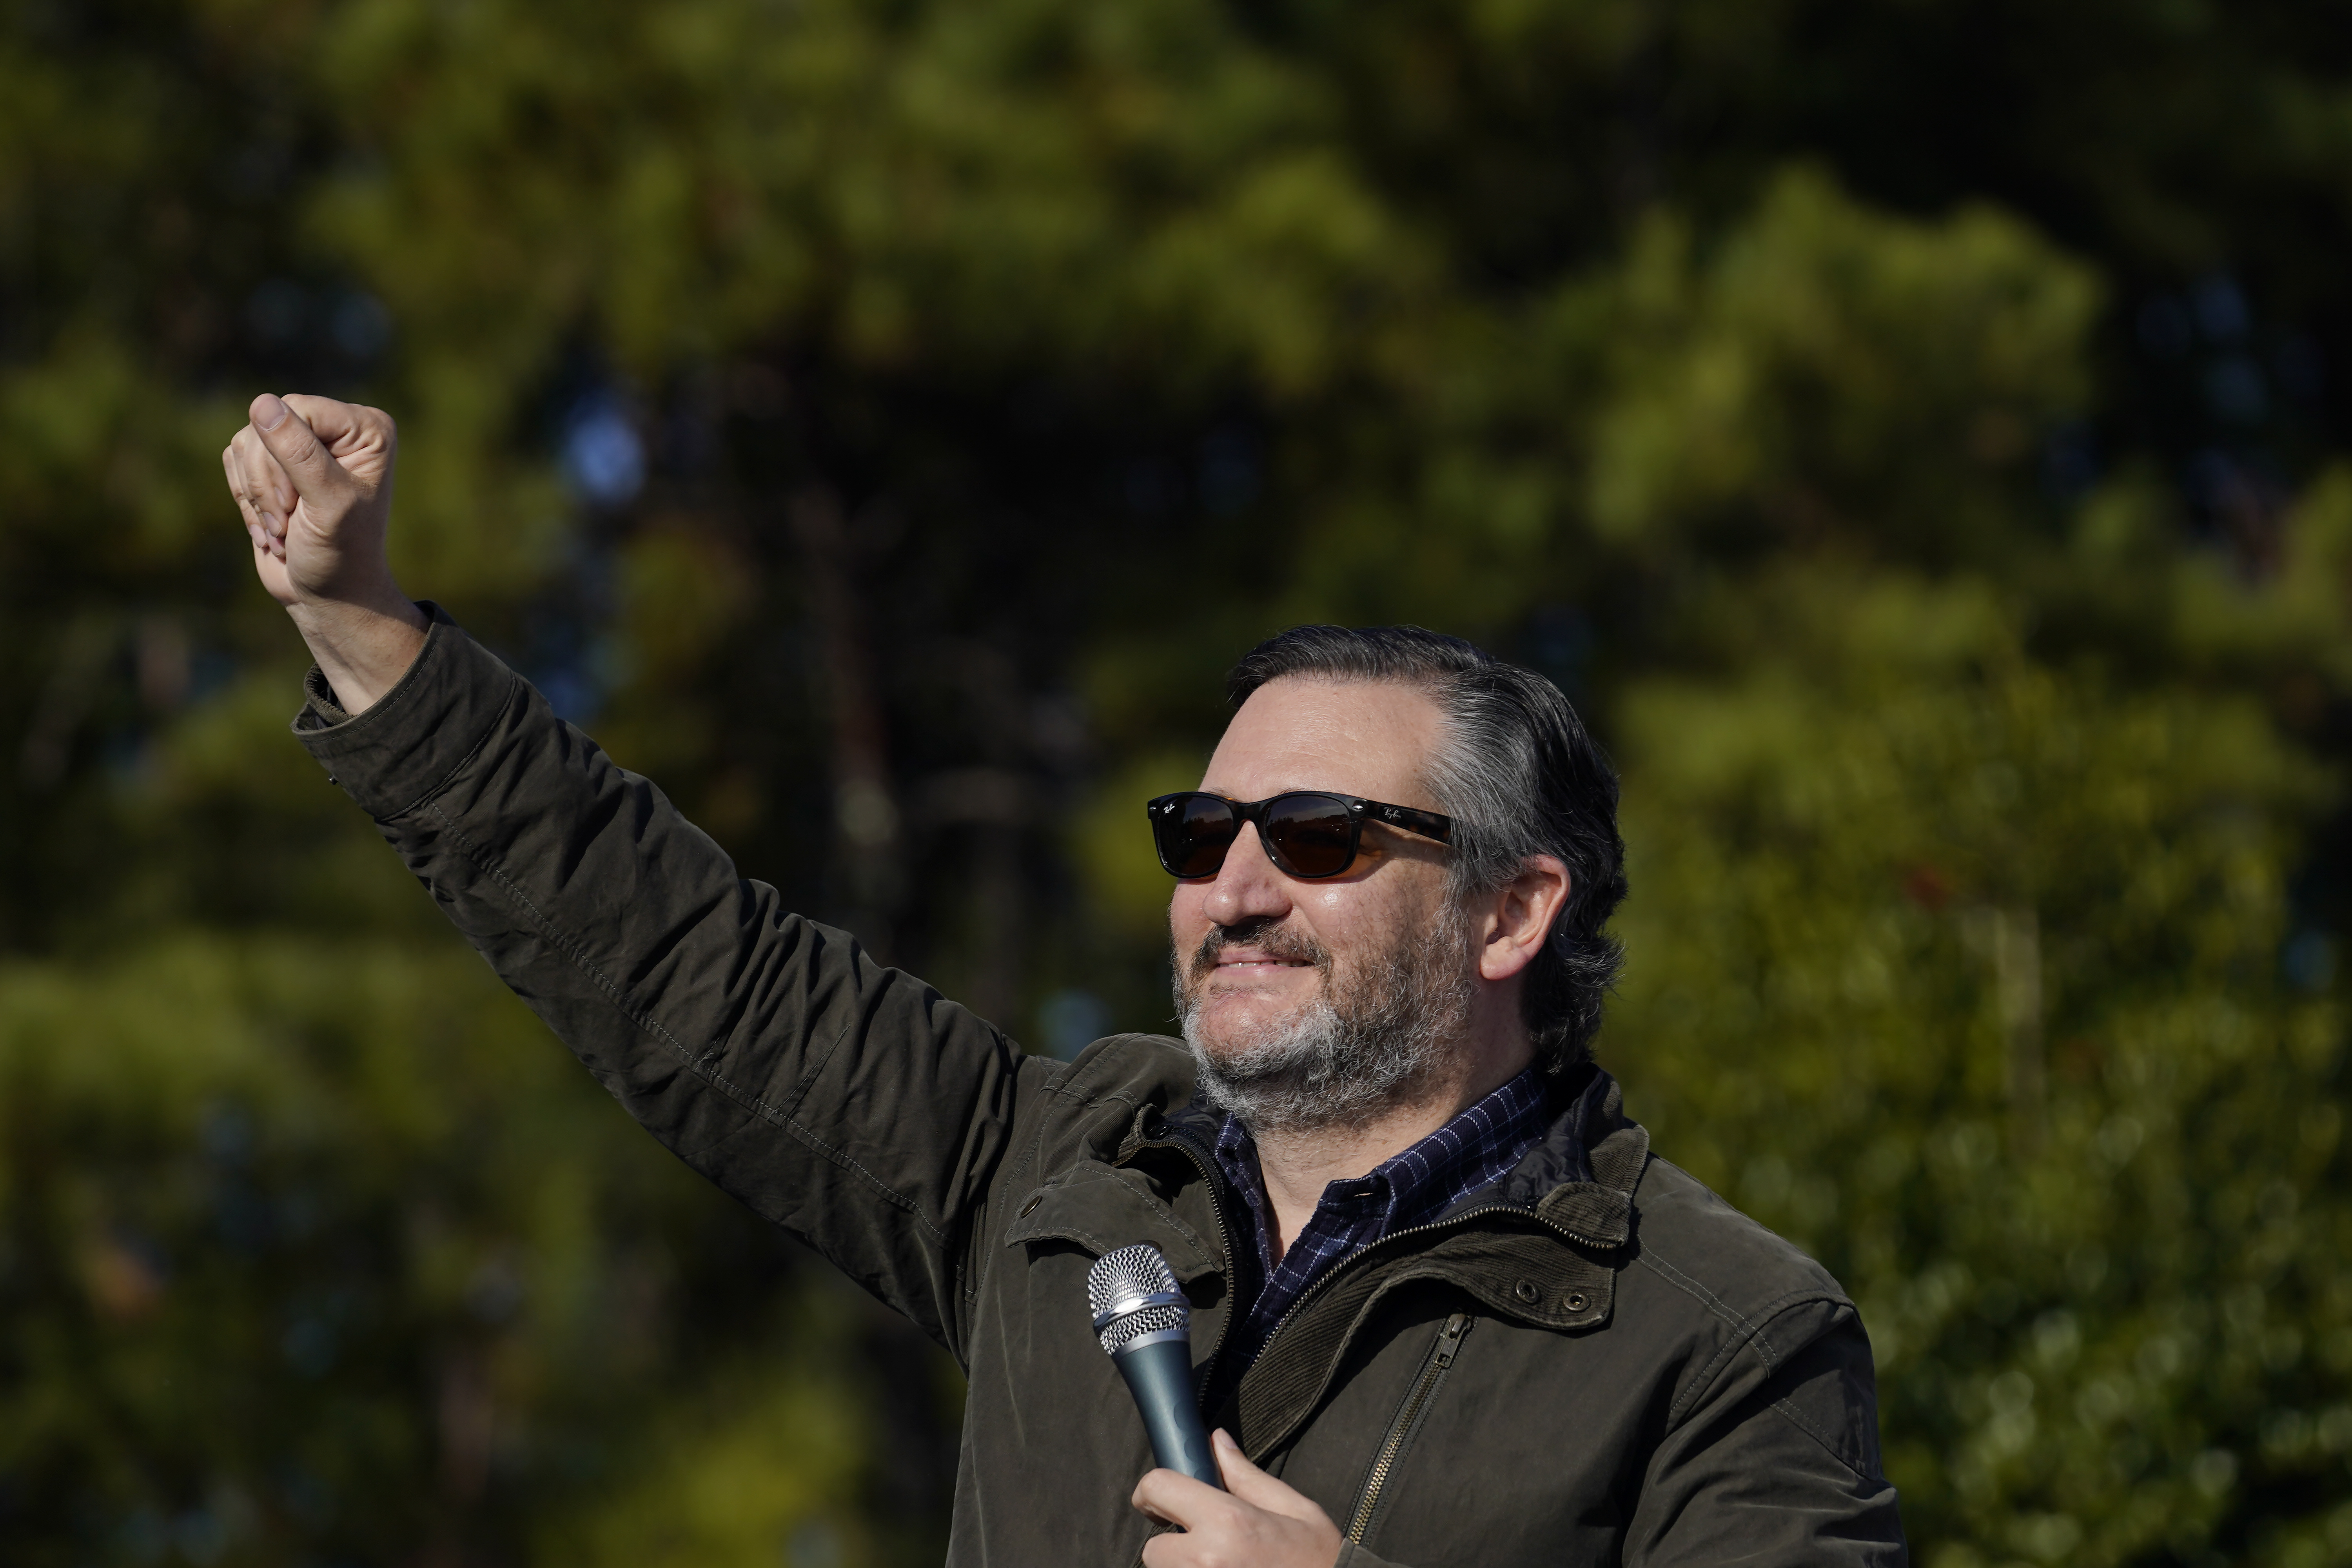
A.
pixel 1398 1017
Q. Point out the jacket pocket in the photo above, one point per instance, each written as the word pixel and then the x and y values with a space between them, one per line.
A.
pixel 1101 1208
pixel 1371 1500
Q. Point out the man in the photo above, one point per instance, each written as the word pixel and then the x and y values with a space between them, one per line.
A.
pixel 1447 1308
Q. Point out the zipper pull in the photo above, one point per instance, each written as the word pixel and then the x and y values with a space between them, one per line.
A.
pixel 1451 1340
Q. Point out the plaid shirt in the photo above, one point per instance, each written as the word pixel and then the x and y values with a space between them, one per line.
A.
pixel 1413 1188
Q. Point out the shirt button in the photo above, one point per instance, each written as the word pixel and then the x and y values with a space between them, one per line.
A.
pixel 1526 1291
pixel 1031 1206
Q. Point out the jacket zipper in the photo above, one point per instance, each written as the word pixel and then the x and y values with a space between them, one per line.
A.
pixel 1408 1416
pixel 1211 1179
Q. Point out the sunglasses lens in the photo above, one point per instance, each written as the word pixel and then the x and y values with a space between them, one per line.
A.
pixel 1192 837
pixel 1310 835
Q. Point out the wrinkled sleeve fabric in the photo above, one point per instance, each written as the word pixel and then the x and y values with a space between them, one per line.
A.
pixel 1770 1454
pixel 848 1102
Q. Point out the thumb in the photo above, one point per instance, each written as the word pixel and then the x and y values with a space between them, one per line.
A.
pixel 317 476
pixel 1246 1480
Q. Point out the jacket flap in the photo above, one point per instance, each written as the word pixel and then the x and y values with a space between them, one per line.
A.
pixel 1530 1278
pixel 1102 1208
pixel 1620 1157
pixel 1590 1211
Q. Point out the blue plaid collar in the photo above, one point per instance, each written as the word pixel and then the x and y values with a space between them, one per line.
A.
pixel 1475 1150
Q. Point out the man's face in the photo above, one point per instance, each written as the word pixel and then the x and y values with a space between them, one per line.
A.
pixel 1259 954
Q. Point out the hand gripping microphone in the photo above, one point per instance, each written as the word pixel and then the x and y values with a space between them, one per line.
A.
pixel 1145 1323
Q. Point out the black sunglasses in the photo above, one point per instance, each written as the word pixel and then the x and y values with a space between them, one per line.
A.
pixel 1306 833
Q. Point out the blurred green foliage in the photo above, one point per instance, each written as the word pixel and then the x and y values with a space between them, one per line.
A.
pixel 1914 434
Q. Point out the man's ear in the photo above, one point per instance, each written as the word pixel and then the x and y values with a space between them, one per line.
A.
pixel 1521 914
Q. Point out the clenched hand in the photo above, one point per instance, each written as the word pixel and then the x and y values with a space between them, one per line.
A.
pixel 1256 1522
pixel 313 478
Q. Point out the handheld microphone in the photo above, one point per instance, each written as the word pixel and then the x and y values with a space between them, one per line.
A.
pixel 1146 1325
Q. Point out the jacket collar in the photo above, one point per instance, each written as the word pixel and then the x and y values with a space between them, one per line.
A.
pixel 1160 1181
pixel 1583 1107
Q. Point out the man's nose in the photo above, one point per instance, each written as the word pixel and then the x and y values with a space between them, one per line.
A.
pixel 1247 886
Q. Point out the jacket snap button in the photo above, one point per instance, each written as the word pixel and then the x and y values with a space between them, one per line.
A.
pixel 1526 1291
pixel 1031 1206
pixel 1576 1300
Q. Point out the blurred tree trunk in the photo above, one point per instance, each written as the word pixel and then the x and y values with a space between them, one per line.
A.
pixel 867 828
pixel 2017 989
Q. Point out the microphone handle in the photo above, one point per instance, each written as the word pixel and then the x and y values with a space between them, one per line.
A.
pixel 1160 1375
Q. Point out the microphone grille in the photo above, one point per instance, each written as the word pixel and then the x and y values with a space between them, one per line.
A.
pixel 1124 1331
pixel 1128 1274
pixel 1132 1292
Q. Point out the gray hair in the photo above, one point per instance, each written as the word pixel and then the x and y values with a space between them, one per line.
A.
pixel 1520 777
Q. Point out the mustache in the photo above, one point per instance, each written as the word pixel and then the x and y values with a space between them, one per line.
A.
pixel 1263 933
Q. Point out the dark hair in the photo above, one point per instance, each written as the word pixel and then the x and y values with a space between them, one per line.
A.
pixel 1520 778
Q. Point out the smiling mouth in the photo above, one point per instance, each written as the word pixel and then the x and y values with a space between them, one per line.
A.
pixel 1244 963
pixel 1255 964
pixel 1257 948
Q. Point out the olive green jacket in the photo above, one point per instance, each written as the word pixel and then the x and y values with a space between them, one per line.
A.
pixel 1594 1362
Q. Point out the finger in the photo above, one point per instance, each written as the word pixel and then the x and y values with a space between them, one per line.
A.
pixel 1177 1500
pixel 328 420
pixel 252 519
pixel 241 491
pixel 263 476
pixel 290 440
pixel 352 432
pixel 1246 1480
pixel 264 491
pixel 1252 1486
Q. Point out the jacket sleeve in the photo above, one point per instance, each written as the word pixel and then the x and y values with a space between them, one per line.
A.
pixel 844 1101
pixel 1771 1456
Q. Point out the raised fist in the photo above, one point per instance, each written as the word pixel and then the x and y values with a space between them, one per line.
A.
pixel 313 477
